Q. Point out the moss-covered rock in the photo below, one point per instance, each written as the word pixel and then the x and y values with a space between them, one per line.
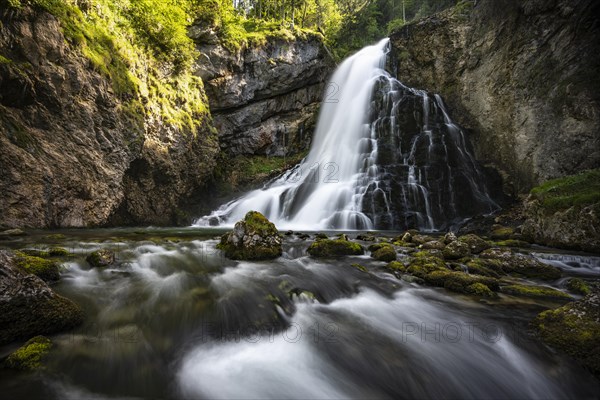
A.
pixel 520 264
pixel 28 307
pixel 432 245
pixel 449 237
pixel 366 237
pixel 500 232
pixel 578 286
pixel 29 357
pixel 48 270
pixel 478 266
pixel 253 238
pixel 574 329
pixel 456 250
pixel 396 266
pixel 512 243
pixel 421 239
pixel 384 253
pixel 541 292
pixel 359 267
pixel 320 235
pixel 101 258
pixel 475 243
pixel 423 263
pixel 58 252
pixel 334 248
pixel 480 289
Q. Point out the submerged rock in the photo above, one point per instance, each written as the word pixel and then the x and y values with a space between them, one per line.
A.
pixel 335 248
pixel 28 306
pixel 253 238
pixel 574 329
pixel 29 356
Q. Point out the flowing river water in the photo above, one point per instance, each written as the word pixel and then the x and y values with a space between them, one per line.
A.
pixel 174 319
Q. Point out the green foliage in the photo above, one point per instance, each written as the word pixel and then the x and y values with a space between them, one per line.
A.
pixel 576 191
pixel 29 357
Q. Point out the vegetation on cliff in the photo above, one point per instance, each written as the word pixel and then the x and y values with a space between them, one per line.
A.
pixel 577 191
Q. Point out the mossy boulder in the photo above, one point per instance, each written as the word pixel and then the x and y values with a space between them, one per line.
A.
pixel 512 243
pixel 432 245
pixel 366 237
pixel 500 232
pixel 455 250
pixel 28 307
pixel 540 292
pixel 101 258
pixel 478 266
pixel 29 357
pixel 520 264
pixel 384 253
pixel 460 282
pixel 475 243
pixel 253 238
pixel 480 289
pixel 58 252
pixel 449 237
pixel 48 270
pixel 335 248
pixel 359 267
pixel 396 266
pixel 574 329
pixel 423 263
pixel 578 286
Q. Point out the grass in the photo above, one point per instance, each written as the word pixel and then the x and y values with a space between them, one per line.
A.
pixel 577 191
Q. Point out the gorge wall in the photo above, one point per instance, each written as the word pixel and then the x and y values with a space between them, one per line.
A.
pixel 521 76
pixel 77 151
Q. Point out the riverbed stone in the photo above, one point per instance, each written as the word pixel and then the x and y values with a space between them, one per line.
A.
pixel 29 357
pixel 335 248
pixel 253 238
pixel 28 306
pixel 455 250
pixel 475 243
pixel 101 258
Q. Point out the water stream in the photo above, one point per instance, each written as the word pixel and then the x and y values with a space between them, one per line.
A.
pixel 174 319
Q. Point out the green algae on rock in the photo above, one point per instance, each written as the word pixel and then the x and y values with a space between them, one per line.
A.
pixel 253 238
pixel 29 357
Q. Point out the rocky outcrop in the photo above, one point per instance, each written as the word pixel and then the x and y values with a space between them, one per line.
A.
pixel 74 152
pixel 28 306
pixel 520 75
pixel 253 238
pixel 264 99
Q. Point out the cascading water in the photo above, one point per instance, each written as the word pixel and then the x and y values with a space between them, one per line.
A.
pixel 384 156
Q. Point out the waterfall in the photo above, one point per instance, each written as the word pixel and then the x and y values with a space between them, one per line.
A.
pixel 383 156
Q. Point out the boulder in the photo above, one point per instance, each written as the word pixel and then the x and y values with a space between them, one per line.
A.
pixel 253 238
pixel 334 248
pixel 456 250
pixel 384 253
pixel 475 243
pixel 101 258
pixel 28 306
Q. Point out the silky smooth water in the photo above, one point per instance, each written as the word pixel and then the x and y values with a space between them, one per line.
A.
pixel 174 319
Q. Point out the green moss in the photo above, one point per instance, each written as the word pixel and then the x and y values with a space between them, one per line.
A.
pixel 396 266
pixel 56 236
pixel 48 270
pixel 101 258
pixel 502 232
pixel 459 282
pixel 359 267
pixel 334 248
pixel 578 286
pixel 4 60
pixel 475 243
pixel 58 252
pixel 575 330
pixel 536 291
pixel 483 267
pixel 577 191
pixel 480 289
pixel 512 243
pixel 385 253
pixel 29 357
pixel 254 223
pixel 424 263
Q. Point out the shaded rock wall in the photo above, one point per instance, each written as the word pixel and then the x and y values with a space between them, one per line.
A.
pixel 264 99
pixel 522 76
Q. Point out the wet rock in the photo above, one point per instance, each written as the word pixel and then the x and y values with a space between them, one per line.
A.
pixel 29 357
pixel 334 248
pixel 12 232
pixel 475 243
pixel 366 237
pixel 500 232
pixel 384 253
pixel 574 329
pixel 28 306
pixel 359 267
pixel 321 236
pixel 449 237
pixel 456 250
pixel 48 270
pixel 101 258
pixel 513 263
pixel 253 238
pixel 407 237
pixel 540 292
pixel 432 245
pixel 578 286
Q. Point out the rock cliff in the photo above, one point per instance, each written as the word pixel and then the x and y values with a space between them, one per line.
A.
pixel 522 76
pixel 76 152
pixel 264 99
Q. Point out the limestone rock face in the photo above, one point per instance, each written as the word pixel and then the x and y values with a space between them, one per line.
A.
pixel 29 307
pixel 253 238
pixel 264 99
pixel 521 76
pixel 73 153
